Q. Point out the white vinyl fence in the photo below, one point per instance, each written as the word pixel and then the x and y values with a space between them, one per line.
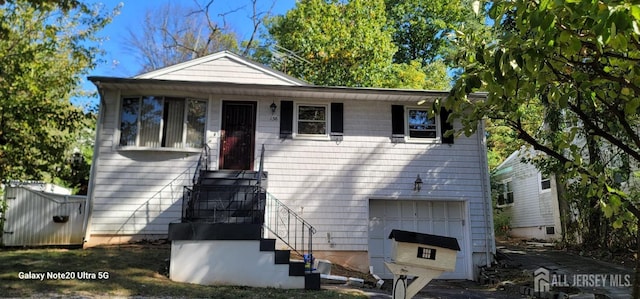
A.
pixel 41 214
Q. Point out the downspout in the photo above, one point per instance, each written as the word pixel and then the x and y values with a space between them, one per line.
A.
pixel 486 191
pixel 92 172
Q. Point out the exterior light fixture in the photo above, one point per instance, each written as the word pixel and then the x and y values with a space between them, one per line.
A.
pixel 273 107
pixel 417 185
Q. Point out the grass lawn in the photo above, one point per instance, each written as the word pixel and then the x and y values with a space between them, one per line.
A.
pixel 128 270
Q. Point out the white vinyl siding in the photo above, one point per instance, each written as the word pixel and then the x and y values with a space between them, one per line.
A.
pixel 531 207
pixel 223 70
pixel 137 192
pixel 328 183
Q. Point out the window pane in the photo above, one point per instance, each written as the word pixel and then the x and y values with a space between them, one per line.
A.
pixel 173 122
pixel 510 197
pixel 129 121
pixel 311 113
pixel 501 199
pixel 421 125
pixel 545 184
pixel 150 121
pixel 312 120
pixel 196 119
pixel 318 128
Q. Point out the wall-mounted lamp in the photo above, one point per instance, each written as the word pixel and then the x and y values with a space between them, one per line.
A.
pixel 417 185
pixel 273 107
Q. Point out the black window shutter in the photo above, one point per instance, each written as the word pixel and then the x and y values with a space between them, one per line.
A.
pixel 397 119
pixel 286 119
pixel 337 118
pixel 445 126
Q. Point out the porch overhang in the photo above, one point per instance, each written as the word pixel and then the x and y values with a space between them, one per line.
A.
pixel 262 90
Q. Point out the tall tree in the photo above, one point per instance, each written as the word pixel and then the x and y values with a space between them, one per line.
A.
pixel 344 43
pixel 577 59
pixel 45 50
pixel 174 33
pixel 335 43
pixel 421 29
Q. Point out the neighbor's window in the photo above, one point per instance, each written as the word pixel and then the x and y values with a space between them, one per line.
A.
pixel 152 121
pixel 545 182
pixel 421 124
pixel 312 120
pixel 505 196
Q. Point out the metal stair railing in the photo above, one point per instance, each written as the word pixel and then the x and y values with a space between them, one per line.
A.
pixel 203 163
pixel 276 217
pixel 288 226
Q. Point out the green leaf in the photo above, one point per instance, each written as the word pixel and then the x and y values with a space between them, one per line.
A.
pixel 635 11
pixel 618 223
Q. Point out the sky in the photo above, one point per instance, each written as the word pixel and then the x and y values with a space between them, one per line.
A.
pixel 120 62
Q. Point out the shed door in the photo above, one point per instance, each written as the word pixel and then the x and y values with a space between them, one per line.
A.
pixel 238 131
pixel 429 217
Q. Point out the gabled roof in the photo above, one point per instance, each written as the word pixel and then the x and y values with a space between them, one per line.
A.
pixel 515 154
pixel 223 67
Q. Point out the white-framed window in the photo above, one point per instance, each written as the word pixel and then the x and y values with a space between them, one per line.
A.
pixel 311 120
pixel 505 195
pixel 162 122
pixel 545 182
pixel 422 125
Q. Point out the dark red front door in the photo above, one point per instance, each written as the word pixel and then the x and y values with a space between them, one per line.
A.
pixel 238 131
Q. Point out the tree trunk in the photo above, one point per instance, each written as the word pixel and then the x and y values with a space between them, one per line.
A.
pixel 564 210
pixel 636 278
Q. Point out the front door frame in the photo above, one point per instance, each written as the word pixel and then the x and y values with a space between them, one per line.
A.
pixel 251 152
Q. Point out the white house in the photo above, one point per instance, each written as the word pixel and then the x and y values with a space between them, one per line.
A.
pixel 347 160
pixel 529 197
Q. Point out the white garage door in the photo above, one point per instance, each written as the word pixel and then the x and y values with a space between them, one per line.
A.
pixel 429 217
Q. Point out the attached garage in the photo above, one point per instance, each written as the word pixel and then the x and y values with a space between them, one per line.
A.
pixel 446 218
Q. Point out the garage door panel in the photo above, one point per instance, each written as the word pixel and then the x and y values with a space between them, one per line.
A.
pixel 391 209
pixel 454 212
pixel 423 210
pixel 440 228
pixel 425 226
pixel 376 248
pixel 377 211
pixel 407 209
pixel 431 217
pixel 439 210
pixel 376 227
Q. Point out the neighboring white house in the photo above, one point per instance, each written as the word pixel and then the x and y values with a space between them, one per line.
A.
pixel 529 198
pixel 345 159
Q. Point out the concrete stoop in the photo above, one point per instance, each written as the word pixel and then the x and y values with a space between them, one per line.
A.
pixel 237 262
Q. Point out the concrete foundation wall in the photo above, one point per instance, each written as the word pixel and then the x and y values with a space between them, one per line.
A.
pixel 229 263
